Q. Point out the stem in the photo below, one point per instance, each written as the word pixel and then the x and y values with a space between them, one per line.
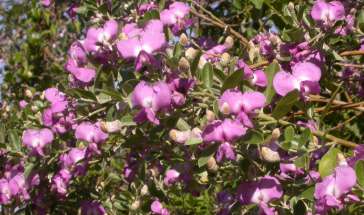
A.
pixel 352 53
pixel 317 132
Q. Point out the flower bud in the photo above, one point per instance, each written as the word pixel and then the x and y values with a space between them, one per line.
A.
pixel 210 116
pixel 183 39
pixel 28 93
pixel 34 108
pixel 179 136
pixel 229 42
pixel 135 205
pixel 191 53
pixel 225 108
pixel 269 155
pixel 202 62
pixel 341 161
pixel 196 133
pixel 225 59
pixel 276 133
pixel 144 191
pixel 183 65
pixel 212 165
pixel 111 127
pixel 290 6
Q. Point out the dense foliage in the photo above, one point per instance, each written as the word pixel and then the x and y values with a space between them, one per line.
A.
pixel 182 107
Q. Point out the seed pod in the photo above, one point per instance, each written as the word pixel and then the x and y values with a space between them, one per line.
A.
pixel 183 65
pixel 191 53
pixel 269 155
pixel 183 39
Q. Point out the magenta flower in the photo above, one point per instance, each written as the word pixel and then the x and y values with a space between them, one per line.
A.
pixel 60 182
pixel 224 132
pixel 331 192
pixel 81 74
pixel 23 104
pixel 77 53
pixel 91 133
pixel 149 39
pixel 145 7
pixel 212 55
pixel 151 99
pixel 176 16
pixel 157 208
pixel 290 170
pixel 305 77
pixel 104 35
pixel 72 157
pixel 46 3
pixel 5 193
pixel 260 192
pixel 327 13
pixel 92 207
pixel 171 177
pixel 234 101
pixel 36 140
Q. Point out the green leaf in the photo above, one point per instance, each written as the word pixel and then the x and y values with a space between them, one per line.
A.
pixel 270 71
pixel 289 133
pixel 182 125
pixel 293 35
pixel 360 20
pixel 254 137
pixel 258 3
pixel 207 75
pixel 193 141
pixel 81 93
pixel 308 193
pixel 233 80
pixel 359 170
pixel 328 162
pixel 285 104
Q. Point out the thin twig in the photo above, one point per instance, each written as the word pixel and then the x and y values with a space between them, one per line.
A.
pixel 316 133
pixel 352 53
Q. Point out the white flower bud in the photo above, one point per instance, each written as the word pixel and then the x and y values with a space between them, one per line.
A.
pixel 270 155
pixel 210 116
pixel 212 165
pixel 191 53
pixel 145 190
pixel 276 133
pixel 341 161
pixel 28 93
pixel 111 127
pixel 183 39
pixel 229 42
pixel 183 65
pixel 225 59
pixel 135 205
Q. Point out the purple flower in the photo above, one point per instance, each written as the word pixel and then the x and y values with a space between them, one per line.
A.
pixel 235 102
pixel 149 39
pixel 226 151
pixel 157 208
pixel 92 207
pixel 171 177
pixel 36 139
pixel 331 191
pixel 223 131
pixel 46 3
pixel 151 99
pixel 305 77
pixel 22 104
pixel 60 182
pixel 267 43
pixel 175 16
pixel 260 192
pixel 145 7
pixel 90 133
pixel 327 13
pixel 82 74
pixel 290 170
pixel 70 160
pixel 5 193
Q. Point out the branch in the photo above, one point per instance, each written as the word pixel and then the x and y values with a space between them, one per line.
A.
pixel 316 133
pixel 352 53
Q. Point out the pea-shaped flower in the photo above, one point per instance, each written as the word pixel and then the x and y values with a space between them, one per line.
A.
pixel 327 13
pixel 37 139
